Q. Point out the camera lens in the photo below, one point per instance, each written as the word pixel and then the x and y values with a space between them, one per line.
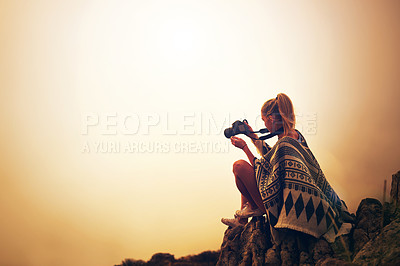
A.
pixel 228 132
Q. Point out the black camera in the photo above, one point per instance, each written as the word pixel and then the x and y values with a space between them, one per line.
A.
pixel 238 127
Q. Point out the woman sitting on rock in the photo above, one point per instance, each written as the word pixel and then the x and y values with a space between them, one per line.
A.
pixel 286 183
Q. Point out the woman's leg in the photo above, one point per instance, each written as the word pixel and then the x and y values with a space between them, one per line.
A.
pixel 246 183
pixel 243 203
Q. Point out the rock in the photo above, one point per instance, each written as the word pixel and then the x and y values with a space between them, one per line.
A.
pixel 342 247
pixel 382 250
pixel 289 249
pixel 161 259
pixel 324 254
pixel 230 247
pixel 205 258
pixel 322 250
pixel 394 192
pixel 333 262
pixel 305 259
pixel 369 221
pixel 388 213
pixel 245 245
pixel 257 242
pixel 132 262
pixel 251 245
pixel 272 256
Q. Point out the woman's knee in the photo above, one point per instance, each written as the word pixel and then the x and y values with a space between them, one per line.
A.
pixel 240 166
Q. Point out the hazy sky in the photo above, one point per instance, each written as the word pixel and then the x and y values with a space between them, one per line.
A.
pixel 112 115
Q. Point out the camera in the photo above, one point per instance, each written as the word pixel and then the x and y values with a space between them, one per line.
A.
pixel 238 127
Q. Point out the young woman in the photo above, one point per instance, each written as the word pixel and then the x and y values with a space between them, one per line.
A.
pixel 286 183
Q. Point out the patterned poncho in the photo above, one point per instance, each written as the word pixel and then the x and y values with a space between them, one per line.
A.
pixel 295 191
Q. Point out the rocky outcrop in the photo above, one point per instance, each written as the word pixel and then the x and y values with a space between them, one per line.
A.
pixel 374 240
pixel 382 250
pixel 368 222
pixel 395 191
pixel 206 258
pixel 251 245
pixel 245 243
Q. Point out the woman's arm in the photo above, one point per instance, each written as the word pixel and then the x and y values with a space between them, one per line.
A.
pixel 262 147
pixel 241 144
pixel 249 154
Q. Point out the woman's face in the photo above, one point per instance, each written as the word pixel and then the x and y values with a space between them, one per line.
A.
pixel 268 122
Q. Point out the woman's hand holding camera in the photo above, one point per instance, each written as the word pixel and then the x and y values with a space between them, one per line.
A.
pixel 238 142
pixel 251 135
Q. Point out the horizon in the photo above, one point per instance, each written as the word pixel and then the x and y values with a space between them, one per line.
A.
pixel 113 116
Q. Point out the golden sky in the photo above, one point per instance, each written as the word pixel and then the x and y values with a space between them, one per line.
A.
pixel 112 115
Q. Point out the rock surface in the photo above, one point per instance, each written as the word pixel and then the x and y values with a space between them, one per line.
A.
pixel 247 244
pixel 382 250
pixel 165 259
pixel 368 222
pixel 395 191
pixel 250 245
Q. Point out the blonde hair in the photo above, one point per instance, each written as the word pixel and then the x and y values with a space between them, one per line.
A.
pixel 282 108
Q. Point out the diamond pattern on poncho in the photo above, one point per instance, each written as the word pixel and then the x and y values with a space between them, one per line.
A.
pixel 319 212
pixel 299 206
pixel 309 209
pixel 288 203
pixel 272 219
